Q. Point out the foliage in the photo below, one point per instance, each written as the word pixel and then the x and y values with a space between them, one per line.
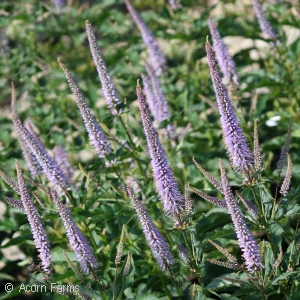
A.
pixel 203 240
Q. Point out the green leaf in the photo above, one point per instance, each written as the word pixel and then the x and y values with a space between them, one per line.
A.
pixel 283 277
pixel 295 295
pixel 226 230
pixel 22 239
pixel 275 235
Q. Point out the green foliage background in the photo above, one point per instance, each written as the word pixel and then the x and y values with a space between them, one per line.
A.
pixel 37 35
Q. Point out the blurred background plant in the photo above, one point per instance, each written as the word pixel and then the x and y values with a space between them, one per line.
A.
pixel 33 34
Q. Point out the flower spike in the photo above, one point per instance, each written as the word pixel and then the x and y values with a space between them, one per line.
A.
pixel 285 150
pixel 175 4
pixel 225 252
pixel 96 136
pixel 151 100
pixel 77 241
pixel 246 241
pixel 287 179
pixel 155 240
pixel 59 4
pixel 164 179
pixel 127 266
pixel 225 60
pixel 108 88
pixel 252 208
pixel 264 24
pixel 225 264
pixel 213 200
pixel 161 104
pixel 31 161
pixel 50 168
pixel 120 248
pixel 256 150
pixel 61 157
pixel 39 234
pixel 215 182
pixel 234 138
pixel 157 58
pixel 15 203
pixel 14 185
pixel 159 108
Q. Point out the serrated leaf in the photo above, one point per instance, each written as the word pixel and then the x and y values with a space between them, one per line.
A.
pixel 283 276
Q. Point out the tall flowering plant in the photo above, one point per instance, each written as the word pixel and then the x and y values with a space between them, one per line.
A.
pixel 139 215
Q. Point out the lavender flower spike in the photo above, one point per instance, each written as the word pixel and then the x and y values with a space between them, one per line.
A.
pixel 285 150
pixel 15 203
pixel 13 184
pixel 287 179
pixel 164 179
pixel 108 88
pixel 151 100
pixel 97 137
pixel 59 4
pixel 61 157
pixel 264 24
pixel 155 240
pixel 31 161
pixel 161 104
pixel 50 168
pixel 77 241
pixel 246 241
pixel 225 60
pixel 39 234
pixel 235 141
pixel 157 58
pixel 175 4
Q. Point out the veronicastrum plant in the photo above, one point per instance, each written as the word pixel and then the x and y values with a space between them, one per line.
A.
pixel 147 168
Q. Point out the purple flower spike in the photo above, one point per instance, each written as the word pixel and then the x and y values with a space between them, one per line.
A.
pixel 157 101
pixel 15 203
pixel 157 58
pixel 161 104
pixel 225 60
pixel 97 137
pixel 39 234
pixel 31 161
pixel 264 24
pixel 59 4
pixel 246 241
pixel 108 88
pixel 62 160
pixel 151 100
pixel 164 179
pixel 50 168
pixel 155 240
pixel 175 4
pixel 77 241
pixel 235 141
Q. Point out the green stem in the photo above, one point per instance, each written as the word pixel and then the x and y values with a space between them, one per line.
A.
pixel 164 283
pixel 115 280
pixel 92 239
pixel 259 204
pixel 122 289
pixel 296 256
pixel 176 286
pixel 190 249
pixel 274 200
pixel 97 283
pixel 131 143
